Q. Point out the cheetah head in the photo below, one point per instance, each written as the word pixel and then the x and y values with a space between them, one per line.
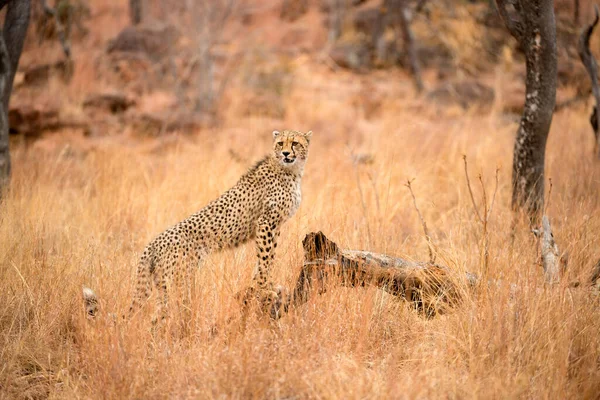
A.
pixel 291 147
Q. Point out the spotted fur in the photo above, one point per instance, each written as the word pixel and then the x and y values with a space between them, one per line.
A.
pixel 255 208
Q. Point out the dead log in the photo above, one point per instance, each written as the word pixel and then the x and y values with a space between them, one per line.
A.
pixel 588 60
pixel 431 288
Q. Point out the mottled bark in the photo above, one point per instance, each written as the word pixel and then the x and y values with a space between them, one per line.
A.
pixel 532 23
pixel 4 147
pixel 15 29
pixel 135 11
pixel 400 14
pixel 11 46
pixel 588 60
pixel 337 11
pixel 60 29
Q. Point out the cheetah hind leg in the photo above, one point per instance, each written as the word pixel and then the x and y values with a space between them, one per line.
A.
pixel 143 286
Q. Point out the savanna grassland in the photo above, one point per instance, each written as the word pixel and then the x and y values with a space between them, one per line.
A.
pixel 80 210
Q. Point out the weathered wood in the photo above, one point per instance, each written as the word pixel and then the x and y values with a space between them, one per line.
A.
pixel 432 288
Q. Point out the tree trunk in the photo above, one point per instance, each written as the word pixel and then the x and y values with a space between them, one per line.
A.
pixel 400 11
pixel 135 11
pixel 535 30
pixel 337 11
pixel 4 129
pixel 588 60
pixel 11 46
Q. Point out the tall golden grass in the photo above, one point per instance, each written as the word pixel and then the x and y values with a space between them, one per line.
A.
pixel 80 215
pixel 79 212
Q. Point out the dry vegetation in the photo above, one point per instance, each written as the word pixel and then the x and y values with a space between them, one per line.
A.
pixel 81 209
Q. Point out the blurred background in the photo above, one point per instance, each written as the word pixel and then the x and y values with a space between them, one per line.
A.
pixel 127 117
pixel 150 68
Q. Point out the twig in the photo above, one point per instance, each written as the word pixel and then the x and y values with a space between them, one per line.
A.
pixel 425 230
pixel 514 26
pixel 494 195
pixel 362 197
pixel 60 30
pixel 484 253
pixel 549 194
pixel 471 191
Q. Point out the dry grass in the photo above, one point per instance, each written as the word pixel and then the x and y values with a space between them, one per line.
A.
pixel 80 211
pixel 78 217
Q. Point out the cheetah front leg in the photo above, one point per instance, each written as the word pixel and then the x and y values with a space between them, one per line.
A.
pixel 267 233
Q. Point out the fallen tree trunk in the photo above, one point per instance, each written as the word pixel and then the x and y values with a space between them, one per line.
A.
pixel 431 288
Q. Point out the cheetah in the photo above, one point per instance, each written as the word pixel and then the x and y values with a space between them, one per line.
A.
pixel 254 208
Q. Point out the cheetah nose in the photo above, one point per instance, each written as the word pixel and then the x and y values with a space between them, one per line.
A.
pixel 285 153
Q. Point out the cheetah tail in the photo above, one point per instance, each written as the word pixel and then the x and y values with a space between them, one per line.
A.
pixel 90 301
pixel 143 286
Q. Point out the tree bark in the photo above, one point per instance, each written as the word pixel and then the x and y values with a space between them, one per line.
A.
pixel 11 46
pixel 400 11
pixel 337 12
pixel 588 60
pixel 135 11
pixel 4 129
pixel 535 30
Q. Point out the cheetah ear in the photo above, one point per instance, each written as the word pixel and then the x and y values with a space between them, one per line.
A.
pixel 275 134
pixel 308 135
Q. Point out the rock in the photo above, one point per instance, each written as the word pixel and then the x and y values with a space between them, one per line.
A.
pixel 265 104
pixel 467 94
pixel 32 120
pixel 291 10
pixel 156 125
pixel 155 42
pixel 355 56
pixel 115 102
pixel 370 21
pixel 130 67
pixel 40 74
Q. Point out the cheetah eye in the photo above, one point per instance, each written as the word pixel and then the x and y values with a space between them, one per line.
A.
pixel 295 143
pixel 279 144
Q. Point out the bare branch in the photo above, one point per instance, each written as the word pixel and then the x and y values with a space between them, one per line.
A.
pixel 549 194
pixel 471 191
pixel 514 26
pixel 485 213
pixel 60 30
pixel 588 60
pixel 494 195
pixel 425 230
